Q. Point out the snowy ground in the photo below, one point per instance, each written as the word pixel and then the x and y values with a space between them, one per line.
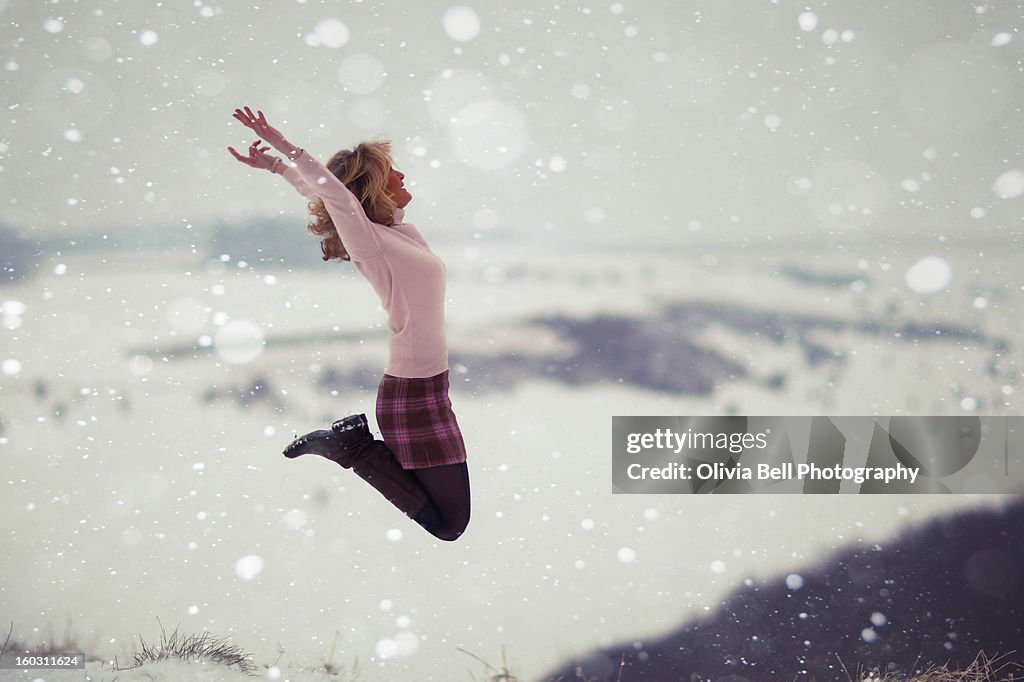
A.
pixel 144 482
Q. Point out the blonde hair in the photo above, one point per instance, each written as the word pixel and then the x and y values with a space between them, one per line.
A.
pixel 364 170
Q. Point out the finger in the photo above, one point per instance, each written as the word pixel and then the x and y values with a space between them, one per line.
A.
pixel 236 154
pixel 249 112
pixel 263 119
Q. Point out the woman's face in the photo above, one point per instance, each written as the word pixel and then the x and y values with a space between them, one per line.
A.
pixel 396 188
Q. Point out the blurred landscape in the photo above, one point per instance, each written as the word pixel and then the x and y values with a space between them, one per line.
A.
pixel 660 208
pixel 944 596
pixel 145 443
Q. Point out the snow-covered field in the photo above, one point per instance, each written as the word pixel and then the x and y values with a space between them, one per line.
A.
pixel 144 403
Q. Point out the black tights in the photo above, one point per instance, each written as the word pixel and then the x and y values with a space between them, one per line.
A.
pixel 447 514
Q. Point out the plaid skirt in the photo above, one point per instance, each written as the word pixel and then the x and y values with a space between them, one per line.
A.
pixel 416 421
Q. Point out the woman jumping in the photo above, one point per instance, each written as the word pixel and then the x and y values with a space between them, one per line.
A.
pixel 357 204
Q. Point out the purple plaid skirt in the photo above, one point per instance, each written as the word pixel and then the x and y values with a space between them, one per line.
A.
pixel 416 421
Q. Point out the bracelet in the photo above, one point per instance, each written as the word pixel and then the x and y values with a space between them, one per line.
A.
pixel 273 166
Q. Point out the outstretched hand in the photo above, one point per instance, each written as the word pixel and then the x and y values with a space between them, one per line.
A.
pixel 258 158
pixel 258 124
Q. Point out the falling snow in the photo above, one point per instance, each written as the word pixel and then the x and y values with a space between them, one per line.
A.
pixel 461 23
pixel 248 567
pixel 929 275
pixel 644 208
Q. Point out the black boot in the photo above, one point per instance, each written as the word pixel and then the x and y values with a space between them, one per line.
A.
pixel 351 422
pixel 329 443
pixel 373 461
pixel 350 444
pixel 376 465
pixel 352 436
pixel 319 442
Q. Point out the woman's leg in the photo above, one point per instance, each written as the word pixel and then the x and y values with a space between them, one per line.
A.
pixel 437 498
pixel 376 464
pixel 447 515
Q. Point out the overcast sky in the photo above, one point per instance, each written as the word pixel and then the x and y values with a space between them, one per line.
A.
pixel 735 118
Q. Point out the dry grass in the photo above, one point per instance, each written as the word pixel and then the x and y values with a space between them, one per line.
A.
pixel 981 669
pixel 51 647
pixel 192 649
pixel 494 674
pixel 328 666
pixel 205 647
pixel 505 675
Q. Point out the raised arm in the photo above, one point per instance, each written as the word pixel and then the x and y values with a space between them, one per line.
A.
pixel 296 181
pixel 258 158
pixel 356 230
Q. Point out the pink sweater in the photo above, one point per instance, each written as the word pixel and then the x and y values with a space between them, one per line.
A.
pixel 407 276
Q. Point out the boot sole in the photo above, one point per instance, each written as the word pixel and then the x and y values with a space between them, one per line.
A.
pixel 322 442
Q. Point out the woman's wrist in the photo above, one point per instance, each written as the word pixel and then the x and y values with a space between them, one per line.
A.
pixel 290 150
pixel 284 146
